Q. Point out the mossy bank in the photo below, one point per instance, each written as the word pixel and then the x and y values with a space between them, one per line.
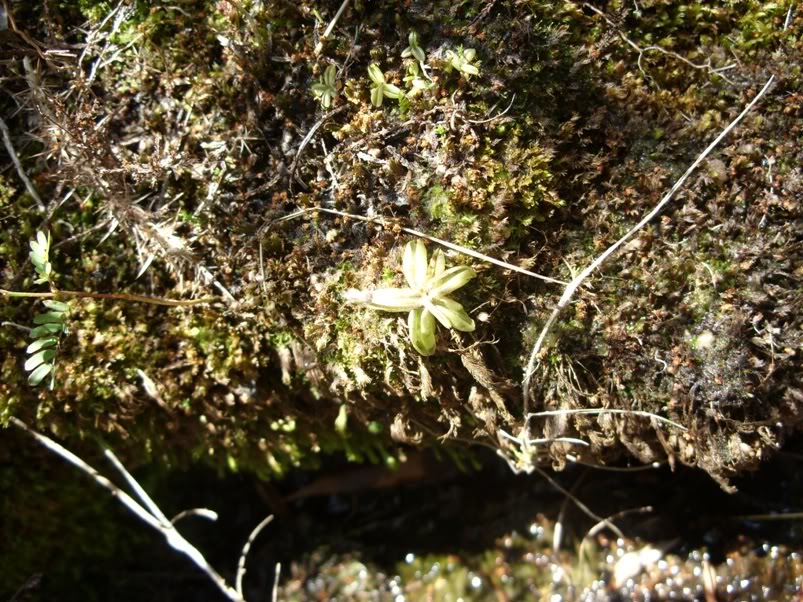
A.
pixel 169 141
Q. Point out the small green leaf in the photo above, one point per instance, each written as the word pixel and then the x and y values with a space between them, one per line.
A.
pixel 393 299
pixel 437 265
pixel 40 344
pixel 451 314
pixel 38 358
pixel 414 264
pixel 421 324
pixel 37 260
pixel 376 75
pixel 414 49
pixel 46 329
pixel 56 305
pixel 377 96
pixel 51 317
pixel 450 280
pixel 330 75
pixel 37 375
pixel 391 91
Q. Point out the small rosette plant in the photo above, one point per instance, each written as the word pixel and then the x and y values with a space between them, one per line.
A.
pixel 427 297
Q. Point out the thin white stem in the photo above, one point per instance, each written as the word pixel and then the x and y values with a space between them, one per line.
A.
pixel 275 594
pixel 597 411
pixel 201 512
pixel 495 117
pixel 137 488
pixel 244 554
pixel 419 234
pixel 173 537
pixel 572 287
pixel 585 509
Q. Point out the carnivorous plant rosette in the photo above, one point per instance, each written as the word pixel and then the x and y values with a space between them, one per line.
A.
pixel 426 299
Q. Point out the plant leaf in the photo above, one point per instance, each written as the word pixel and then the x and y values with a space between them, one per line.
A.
pixel 376 75
pixel 418 54
pixel 38 260
pixel 40 344
pixel 391 91
pixel 38 358
pixel 45 329
pixel 414 264
pixel 377 95
pixel 450 280
pixel 51 317
pixel 330 75
pixel 37 375
pixel 453 313
pixel 437 265
pixel 393 299
pixel 421 324
pixel 56 305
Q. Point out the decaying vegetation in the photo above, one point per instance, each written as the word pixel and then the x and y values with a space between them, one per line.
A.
pixel 164 146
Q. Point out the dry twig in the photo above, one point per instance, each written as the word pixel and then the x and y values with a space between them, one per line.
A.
pixel 642 51
pixel 18 165
pixel 419 234
pixel 244 554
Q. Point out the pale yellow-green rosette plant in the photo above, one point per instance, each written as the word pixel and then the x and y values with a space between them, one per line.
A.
pixel 381 88
pixel 325 90
pixel 426 299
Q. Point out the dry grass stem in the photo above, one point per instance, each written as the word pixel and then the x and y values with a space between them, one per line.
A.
pixel 244 554
pixel 597 411
pixel 419 234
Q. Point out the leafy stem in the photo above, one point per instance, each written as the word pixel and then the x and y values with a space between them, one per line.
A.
pixel 114 296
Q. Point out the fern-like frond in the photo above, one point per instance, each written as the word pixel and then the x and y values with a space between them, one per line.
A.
pixel 42 351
